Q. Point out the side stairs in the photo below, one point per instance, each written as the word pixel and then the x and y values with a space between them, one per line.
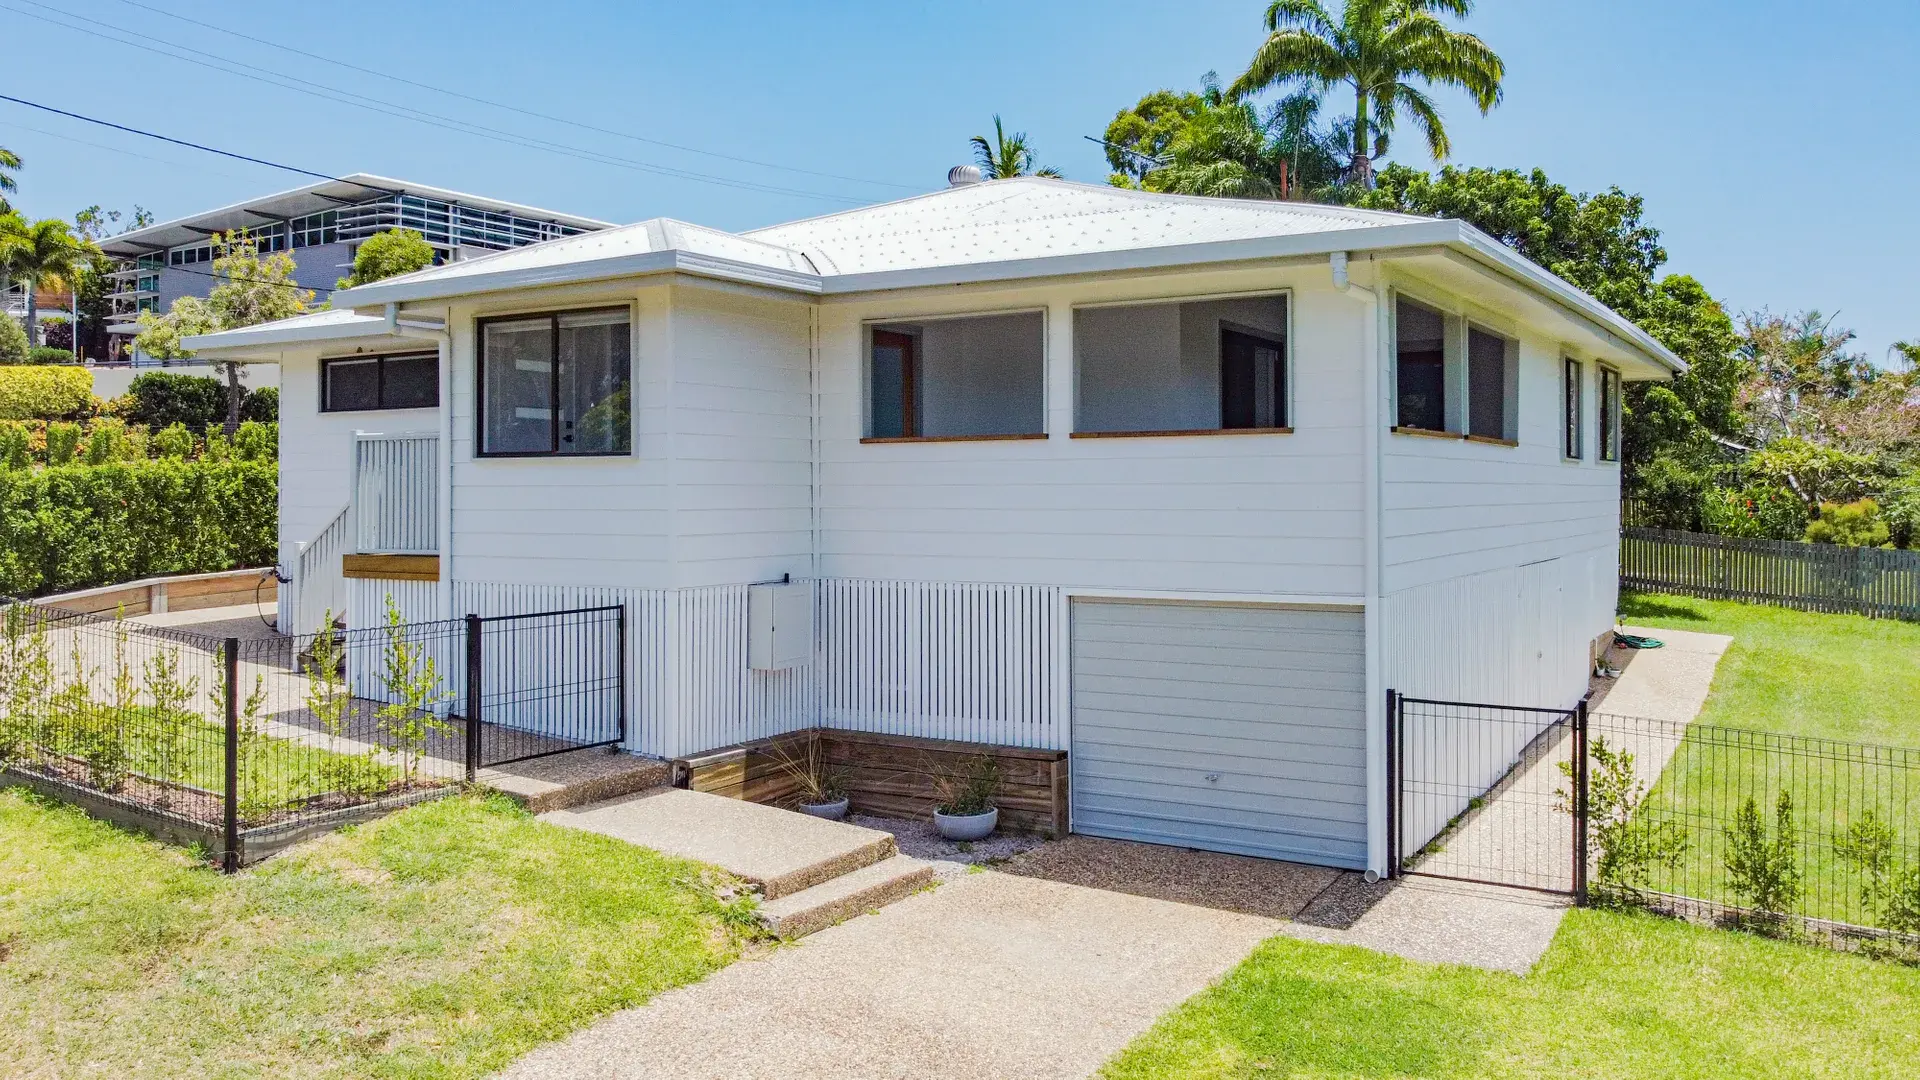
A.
pixel 810 873
pixel 575 778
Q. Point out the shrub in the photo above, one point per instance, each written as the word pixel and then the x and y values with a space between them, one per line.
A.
pixel 160 398
pixel 14 345
pixel 1857 524
pixel 262 405
pixel 1759 510
pixel 75 526
pixel 45 392
pixel 49 354
pixel 1631 844
pixel 254 441
pixel 63 441
pixel 173 441
pixel 1763 870
pixel 15 445
pixel 108 442
pixel 57 333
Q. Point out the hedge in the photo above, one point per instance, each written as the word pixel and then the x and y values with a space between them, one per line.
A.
pixel 160 398
pixel 45 392
pixel 78 526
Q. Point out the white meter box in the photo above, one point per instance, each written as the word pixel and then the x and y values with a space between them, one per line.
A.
pixel 779 626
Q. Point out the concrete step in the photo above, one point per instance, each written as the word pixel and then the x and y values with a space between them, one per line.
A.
pixel 576 778
pixel 820 906
pixel 779 851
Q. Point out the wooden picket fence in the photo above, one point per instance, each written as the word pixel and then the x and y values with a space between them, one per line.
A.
pixel 1811 577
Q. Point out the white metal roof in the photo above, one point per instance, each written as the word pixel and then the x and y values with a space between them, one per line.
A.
pixel 1029 218
pixel 334 324
pixel 1002 230
pixel 312 199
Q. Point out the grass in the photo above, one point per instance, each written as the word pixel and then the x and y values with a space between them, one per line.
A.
pixel 442 941
pixel 1843 677
pixel 1622 996
pixel 275 773
pixel 1840 677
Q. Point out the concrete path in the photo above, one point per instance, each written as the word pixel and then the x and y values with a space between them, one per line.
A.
pixel 1520 836
pixel 987 977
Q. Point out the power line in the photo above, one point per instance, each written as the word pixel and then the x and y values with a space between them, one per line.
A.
pixel 514 108
pixel 404 112
pixel 165 138
pixel 115 149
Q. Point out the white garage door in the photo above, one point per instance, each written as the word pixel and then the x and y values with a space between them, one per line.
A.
pixel 1228 727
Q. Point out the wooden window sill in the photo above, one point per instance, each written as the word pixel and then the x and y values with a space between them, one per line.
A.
pixel 1180 433
pixel 870 440
pixel 1427 433
pixel 1491 441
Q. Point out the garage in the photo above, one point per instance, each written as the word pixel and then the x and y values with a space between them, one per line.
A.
pixel 1229 727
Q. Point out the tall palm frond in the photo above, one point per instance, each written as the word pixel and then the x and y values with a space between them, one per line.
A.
pixel 1383 50
pixel 1007 155
pixel 40 254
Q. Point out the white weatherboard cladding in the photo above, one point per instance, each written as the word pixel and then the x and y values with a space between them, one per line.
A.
pixel 316 460
pixel 1236 728
pixel 1230 514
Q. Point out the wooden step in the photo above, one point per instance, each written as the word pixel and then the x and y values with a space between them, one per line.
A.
pixel 838 899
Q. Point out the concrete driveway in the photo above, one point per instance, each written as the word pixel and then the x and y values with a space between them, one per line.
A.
pixel 988 976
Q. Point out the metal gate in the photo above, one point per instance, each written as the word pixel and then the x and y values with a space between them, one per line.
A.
pixel 544 683
pixel 1495 794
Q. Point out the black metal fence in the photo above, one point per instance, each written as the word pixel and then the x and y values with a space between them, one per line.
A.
pixel 1811 577
pixel 1724 825
pixel 245 745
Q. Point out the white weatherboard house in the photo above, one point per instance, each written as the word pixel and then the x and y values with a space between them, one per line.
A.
pixel 1183 486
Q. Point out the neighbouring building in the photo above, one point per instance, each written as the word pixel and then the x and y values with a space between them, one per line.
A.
pixel 322 225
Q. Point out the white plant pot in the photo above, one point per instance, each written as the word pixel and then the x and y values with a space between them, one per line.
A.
pixel 832 811
pixel 965 827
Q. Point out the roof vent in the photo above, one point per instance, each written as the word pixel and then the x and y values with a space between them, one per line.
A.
pixel 962 175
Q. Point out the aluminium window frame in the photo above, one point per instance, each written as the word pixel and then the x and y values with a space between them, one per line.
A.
pixel 1573 408
pixel 380 379
pixel 1612 391
pixel 1509 383
pixel 553 316
pixel 1286 359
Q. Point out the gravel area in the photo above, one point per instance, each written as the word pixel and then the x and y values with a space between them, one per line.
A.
pixel 1267 887
pixel 918 838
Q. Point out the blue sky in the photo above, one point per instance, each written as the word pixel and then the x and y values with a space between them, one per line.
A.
pixel 1774 142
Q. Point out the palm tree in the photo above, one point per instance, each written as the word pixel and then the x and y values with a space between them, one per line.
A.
pixel 1380 48
pixel 38 254
pixel 9 164
pixel 1006 156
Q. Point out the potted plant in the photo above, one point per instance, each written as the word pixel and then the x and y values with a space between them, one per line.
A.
pixel 964 808
pixel 823 788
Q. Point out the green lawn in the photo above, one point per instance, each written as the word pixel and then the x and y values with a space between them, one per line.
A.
pixel 443 941
pixel 1843 677
pixel 1620 996
pixel 1839 677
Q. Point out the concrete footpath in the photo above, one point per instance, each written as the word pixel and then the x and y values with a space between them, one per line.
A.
pixel 986 977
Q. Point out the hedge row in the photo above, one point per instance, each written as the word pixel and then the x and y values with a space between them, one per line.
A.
pixel 78 526
pixel 45 392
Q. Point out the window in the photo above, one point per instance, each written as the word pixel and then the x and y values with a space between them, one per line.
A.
pixel 1609 415
pixel 980 376
pixel 1491 385
pixel 556 384
pixel 1192 367
pixel 316 229
pixel 1570 407
pixel 1420 374
pixel 357 383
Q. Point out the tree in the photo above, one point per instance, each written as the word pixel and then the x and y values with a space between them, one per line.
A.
pixel 252 289
pixel 1005 156
pixel 1202 144
pixel 388 254
pixel 93 289
pixel 1138 137
pixel 10 163
pixel 1804 383
pixel 1379 48
pixel 41 254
